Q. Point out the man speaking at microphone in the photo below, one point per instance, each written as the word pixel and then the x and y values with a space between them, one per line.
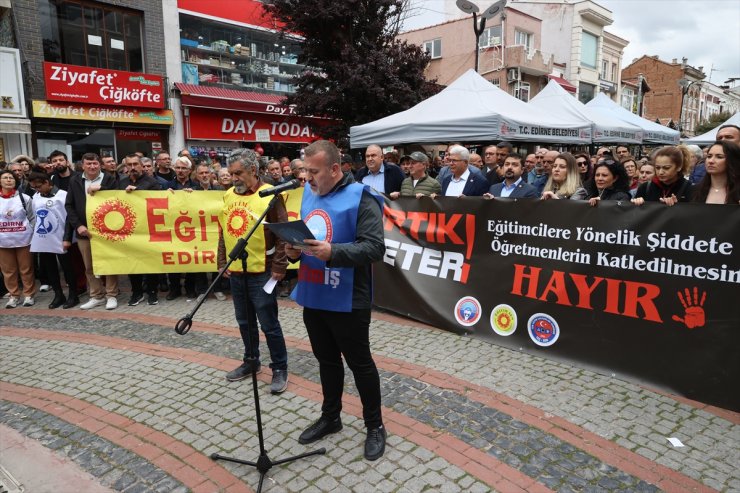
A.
pixel 266 259
pixel 335 289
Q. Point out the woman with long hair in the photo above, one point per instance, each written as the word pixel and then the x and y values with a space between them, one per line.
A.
pixel 585 168
pixel 610 182
pixel 564 180
pixel 669 185
pixel 16 222
pixel 721 184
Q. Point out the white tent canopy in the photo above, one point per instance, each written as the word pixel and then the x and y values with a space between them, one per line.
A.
pixel 709 137
pixel 653 133
pixel 555 100
pixel 472 109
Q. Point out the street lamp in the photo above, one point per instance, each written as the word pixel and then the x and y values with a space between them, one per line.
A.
pixel 478 28
pixel 685 85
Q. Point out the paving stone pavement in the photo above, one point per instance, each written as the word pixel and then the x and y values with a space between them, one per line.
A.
pixel 192 403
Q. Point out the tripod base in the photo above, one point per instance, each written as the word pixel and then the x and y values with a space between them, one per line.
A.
pixel 264 463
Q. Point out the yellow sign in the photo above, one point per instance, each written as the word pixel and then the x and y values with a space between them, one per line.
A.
pixel 154 232
pixel 62 111
pixel 159 232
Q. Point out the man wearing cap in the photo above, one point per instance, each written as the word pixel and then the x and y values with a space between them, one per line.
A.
pixel 346 166
pixel 419 183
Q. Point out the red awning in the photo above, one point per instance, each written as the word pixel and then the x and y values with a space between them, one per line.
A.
pixel 563 83
pixel 231 99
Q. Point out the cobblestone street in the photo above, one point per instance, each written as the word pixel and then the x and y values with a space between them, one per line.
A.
pixel 137 408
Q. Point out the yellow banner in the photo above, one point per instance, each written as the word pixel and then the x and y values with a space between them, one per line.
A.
pixel 293 200
pixel 66 111
pixel 154 232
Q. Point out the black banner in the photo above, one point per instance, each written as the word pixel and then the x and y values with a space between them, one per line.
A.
pixel 646 293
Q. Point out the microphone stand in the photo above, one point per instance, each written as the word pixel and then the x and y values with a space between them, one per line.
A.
pixel 264 463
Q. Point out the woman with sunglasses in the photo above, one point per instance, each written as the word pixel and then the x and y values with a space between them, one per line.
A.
pixel 585 168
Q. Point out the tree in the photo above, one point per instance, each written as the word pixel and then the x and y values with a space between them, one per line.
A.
pixel 714 121
pixel 357 71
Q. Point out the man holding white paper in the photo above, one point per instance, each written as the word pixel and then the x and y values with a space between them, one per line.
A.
pixel 266 264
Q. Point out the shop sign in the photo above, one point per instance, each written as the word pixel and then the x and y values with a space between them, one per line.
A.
pixel 607 86
pixel 11 88
pixel 46 109
pixel 125 134
pixel 204 124
pixel 77 84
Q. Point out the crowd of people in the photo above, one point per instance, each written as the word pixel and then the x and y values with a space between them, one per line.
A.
pixel 45 199
pixel 43 202
pixel 669 174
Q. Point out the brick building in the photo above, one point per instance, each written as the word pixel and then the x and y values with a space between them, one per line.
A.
pixel 663 102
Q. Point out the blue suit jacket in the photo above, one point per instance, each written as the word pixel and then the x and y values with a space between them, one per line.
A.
pixel 476 185
pixel 392 177
pixel 522 191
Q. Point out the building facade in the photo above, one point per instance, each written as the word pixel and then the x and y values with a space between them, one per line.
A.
pixel 675 95
pixel 234 70
pixel 94 74
pixel 509 52
pixel 575 33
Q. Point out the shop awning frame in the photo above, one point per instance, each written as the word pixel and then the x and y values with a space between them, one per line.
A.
pixel 232 99
pixel 564 83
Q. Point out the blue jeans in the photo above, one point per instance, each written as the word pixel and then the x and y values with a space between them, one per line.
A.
pixel 252 303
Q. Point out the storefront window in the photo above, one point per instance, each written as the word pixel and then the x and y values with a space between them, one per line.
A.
pixel 88 34
pixel 215 53
pixel 585 92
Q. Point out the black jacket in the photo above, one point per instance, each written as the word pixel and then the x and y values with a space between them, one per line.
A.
pixel 653 191
pixel 146 182
pixel 77 198
pixel 392 176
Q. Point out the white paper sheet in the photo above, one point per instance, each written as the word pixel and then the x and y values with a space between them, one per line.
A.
pixel 269 286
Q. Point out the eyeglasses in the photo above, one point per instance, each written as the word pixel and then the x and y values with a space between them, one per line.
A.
pixel 455 160
pixel 178 168
pixel 581 163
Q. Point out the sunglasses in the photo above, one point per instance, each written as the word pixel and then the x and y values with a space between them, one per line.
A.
pixel 581 163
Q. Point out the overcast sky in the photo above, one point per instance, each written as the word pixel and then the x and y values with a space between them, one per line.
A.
pixel 707 32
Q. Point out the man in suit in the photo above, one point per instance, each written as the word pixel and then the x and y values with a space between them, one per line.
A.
pixel 513 186
pixel 461 181
pixel 384 177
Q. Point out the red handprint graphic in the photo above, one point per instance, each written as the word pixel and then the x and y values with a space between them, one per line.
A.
pixel 693 308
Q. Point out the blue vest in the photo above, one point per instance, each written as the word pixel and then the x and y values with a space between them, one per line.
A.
pixel 333 218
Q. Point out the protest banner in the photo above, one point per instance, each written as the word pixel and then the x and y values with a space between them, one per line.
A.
pixel 644 293
pixel 154 232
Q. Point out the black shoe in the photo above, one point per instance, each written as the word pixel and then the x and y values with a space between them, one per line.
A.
pixel 319 430
pixel 375 443
pixel 163 287
pixel 58 301
pixel 135 299
pixel 191 295
pixel 172 295
pixel 71 302
pixel 279 381
pixel 242 372
pixel 152 299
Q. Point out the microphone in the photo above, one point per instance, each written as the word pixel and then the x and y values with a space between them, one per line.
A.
pixel 288 185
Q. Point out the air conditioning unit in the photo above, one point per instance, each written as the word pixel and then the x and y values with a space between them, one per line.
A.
pixel 513 75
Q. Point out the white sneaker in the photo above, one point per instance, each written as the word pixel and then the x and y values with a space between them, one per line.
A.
pixel 44 288
pixel 111 304
pixel 12 302
pixel 92 303
pixel 219 296
pixel 28 301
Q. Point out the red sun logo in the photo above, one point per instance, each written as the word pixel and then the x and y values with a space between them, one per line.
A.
pixel 108 214
pixel 237 222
